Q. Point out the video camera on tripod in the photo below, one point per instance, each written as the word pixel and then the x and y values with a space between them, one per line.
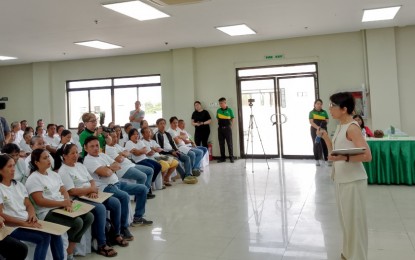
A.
pixel 251 101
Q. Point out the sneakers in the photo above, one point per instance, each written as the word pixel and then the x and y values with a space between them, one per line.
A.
pixel 150 196
pixel 126 234
pixel 190 180
pixel 317 163
pixel 196 172
pixel 142 221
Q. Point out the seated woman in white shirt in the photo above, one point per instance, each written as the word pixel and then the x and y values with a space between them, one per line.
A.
pixel 37 142
pixel 66 137
pixel 13 151
pixel 25 143
pixel 18 211
pixel 168 163
pixel 78 182
pixel 138 150
pixel 129 170
pixel 48 192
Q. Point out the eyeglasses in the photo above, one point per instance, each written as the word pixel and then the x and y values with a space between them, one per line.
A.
pixel 92 121
pixel 333 105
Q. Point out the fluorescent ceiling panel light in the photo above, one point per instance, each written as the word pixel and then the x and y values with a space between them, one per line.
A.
pixel 99 45
pixel 380 14
pixel 137 10
pixel 7 58
pixel 236 30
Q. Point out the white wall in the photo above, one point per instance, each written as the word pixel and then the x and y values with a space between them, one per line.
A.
pixel 211 70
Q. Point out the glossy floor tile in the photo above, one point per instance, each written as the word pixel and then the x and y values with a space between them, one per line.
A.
pixel 285 213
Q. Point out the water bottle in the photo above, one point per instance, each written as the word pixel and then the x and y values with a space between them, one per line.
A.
pixel 318 139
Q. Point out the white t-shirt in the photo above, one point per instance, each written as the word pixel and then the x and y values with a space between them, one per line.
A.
pixel 29 158
pixel 92 163
pixel 20 171
pixel 113 152
pixel 151 144
pixel 181 145
pixel 139 145
pixel 12 198
pixel 18 137
pixel 52 141
pixel 167 146
pixel 24 146
pixel 75 177
pixel 49 184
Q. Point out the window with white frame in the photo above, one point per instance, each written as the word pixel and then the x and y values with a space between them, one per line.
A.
pixel 112 99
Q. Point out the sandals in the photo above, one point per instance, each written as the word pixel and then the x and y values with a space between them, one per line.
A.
pixel 107 251
pixel 121 242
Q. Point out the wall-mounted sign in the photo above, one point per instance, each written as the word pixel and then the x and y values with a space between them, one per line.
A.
pixel 274 57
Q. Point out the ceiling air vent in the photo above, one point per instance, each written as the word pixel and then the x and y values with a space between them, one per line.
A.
pixel 176 2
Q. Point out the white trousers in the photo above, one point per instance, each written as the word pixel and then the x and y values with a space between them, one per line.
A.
pixel 351 202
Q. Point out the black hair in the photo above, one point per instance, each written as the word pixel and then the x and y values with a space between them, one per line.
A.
pixel 222 99
pixel 38 127
pixel 26 132
pixel 10 148
pixel 127 125
pixel 90 139
pixel 64 150
pixel 4 159
pixel 39 120
pixel 159 120
pixel 361 119
pixel 35 157
pixel 66 132
pixel 344 99
pixel 142 123
pixel 172 119
pixel 143 129
pixel 197 102
pixel 118 126
pixel 49 126
pixel 28 128
pixel 131 133
pixel 318 100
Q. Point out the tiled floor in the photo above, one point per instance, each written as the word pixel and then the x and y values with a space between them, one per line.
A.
pixel 286 213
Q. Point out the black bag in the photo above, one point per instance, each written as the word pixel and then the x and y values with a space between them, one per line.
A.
pixel 110 233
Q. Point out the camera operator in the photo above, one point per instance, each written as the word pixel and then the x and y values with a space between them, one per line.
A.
pixel 225 118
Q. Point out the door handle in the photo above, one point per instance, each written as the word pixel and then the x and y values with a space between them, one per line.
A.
pixel 274 122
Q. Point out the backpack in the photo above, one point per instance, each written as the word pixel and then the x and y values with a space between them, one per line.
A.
pixel 110 232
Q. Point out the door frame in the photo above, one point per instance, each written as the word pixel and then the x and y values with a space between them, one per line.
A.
pixel 277 108
pixel 241 122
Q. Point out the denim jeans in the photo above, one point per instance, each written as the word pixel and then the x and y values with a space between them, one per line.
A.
pixel 146 178
pixel 12 248
pixel 121 191
pixel 100 217
pixel 198 157
pixel 187 171
pixel 204 149
pixel 42 241
pixel 142 177
pixel 153 165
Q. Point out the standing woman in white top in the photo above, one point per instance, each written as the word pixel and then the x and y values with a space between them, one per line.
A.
pixel 349 176
pixel 48 192
pixel 18 211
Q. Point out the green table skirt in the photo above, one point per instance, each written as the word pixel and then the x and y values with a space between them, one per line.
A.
pixel 393 162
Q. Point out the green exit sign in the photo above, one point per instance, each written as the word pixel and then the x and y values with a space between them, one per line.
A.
pixel 274 57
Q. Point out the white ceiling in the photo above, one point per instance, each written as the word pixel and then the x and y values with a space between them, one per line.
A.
pixel 45 30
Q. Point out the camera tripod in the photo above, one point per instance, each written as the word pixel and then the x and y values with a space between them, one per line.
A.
pixel 252 121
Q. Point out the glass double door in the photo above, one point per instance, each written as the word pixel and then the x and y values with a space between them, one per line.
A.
pixel 275 123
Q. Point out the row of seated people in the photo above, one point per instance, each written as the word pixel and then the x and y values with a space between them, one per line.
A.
pixel 76 179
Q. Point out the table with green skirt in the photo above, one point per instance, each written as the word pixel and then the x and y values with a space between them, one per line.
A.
pixel 393 161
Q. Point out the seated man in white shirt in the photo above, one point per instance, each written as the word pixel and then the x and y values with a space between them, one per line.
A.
pixel 51 140
pixel 103 168
pixel 194 154
pixel 185 136
pixel 165 140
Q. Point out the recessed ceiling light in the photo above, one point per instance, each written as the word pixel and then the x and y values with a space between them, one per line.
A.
pixel 7 58
pixel 99 45
pixel 235 30
pixel 137 10
pixel 380 14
